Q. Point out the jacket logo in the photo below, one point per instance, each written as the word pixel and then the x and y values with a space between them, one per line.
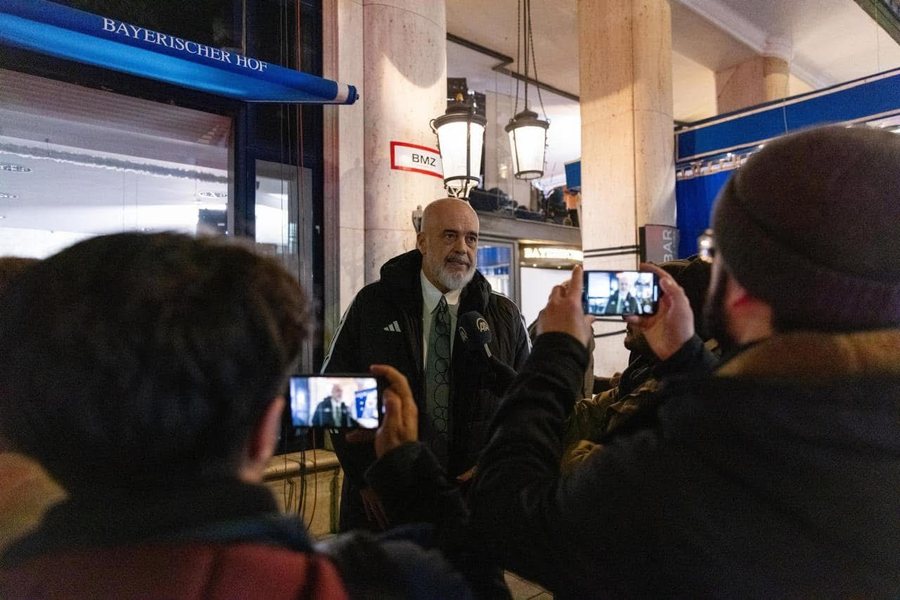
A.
pixel 482 325
pixel 394 327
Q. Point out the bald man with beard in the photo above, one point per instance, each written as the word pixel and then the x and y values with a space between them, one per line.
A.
pixel 389 322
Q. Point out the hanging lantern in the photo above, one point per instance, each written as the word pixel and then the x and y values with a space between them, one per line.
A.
pixel 460 133
pixel 528 141
pixel 527 133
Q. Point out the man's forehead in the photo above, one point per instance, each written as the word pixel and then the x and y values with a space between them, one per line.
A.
pixel 461 230
pixel 454 216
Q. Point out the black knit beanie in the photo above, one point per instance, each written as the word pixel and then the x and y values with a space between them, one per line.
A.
pixel 811 225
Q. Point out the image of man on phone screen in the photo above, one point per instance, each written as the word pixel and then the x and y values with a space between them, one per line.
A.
pixel 332 412
pixel 621 302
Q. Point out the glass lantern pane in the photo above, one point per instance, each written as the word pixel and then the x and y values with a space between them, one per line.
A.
pixel 528 144
pixel 452 141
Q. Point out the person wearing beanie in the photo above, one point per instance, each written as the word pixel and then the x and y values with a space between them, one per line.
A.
pixel 775 475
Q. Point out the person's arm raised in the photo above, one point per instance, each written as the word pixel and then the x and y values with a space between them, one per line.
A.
pixel 564 313
pixel 409 481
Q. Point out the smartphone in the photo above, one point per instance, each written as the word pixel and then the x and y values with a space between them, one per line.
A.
pixel 612 293
pixel 335 401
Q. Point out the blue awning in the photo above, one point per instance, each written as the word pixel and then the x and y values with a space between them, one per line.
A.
pixel 71 34
pixel 867 98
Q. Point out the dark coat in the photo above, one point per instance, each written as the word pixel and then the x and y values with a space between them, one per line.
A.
pixel 324 415
pixel 778 477
pixel 630 307
pixel 384 325
pixel 632 402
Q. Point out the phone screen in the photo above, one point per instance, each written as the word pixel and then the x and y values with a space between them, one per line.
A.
pixel 335 401
pixel 614 293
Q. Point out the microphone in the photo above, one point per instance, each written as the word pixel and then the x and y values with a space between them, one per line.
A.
pixel 475 333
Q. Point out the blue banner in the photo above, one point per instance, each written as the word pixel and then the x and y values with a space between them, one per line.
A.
pixel 573 175
pixel 866 98
pixel 71 34
pixel 694 199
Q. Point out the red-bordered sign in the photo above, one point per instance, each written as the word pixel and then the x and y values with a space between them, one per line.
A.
pixel 415 158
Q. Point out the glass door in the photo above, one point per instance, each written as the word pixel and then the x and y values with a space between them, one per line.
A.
pixel 498 261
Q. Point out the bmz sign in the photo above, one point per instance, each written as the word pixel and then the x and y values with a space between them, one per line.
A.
pixel 418 159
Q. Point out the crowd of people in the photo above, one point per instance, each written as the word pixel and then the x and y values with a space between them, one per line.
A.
pixel 755 454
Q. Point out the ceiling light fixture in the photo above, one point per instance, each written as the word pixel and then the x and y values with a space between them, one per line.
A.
pixel 460 133
pixel 527 133
pixel 5 196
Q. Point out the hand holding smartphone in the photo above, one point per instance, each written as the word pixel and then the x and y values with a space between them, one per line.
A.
pixel 350 401
pixel 617 293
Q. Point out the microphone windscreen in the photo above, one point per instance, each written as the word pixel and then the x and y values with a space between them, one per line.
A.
pixel 474 330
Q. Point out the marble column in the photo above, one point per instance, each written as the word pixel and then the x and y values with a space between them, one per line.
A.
pixel 405 72
pixel 754 81
pixel 776 78
pixel 627 156
pixel 344 203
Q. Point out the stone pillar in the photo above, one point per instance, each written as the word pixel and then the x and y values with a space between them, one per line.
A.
pixel 344 203
pixel 405 82
pixel 760 79
pixel 776 77
pixel 627 155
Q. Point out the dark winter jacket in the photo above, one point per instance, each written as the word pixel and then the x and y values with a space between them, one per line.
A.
pixel 384 325
pixel 778 477
pixel 631 306
pixel 324 415
pixel 220 541
pixel 632 402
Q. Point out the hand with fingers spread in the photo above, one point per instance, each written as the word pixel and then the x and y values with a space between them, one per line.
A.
pixel 673 324
pixel 564 312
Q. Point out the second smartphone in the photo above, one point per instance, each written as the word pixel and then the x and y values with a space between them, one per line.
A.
pixel 617 293
pixel 335 401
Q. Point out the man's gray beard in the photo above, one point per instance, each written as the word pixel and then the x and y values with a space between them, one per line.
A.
pixel 452 281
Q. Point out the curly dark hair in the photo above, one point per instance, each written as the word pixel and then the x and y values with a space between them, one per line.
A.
pixel 145 359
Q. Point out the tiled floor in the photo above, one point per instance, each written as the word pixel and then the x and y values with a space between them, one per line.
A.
pixel 525 590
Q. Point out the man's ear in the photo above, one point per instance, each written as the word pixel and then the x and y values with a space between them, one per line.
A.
pixel 261 444
pixel 420 242
pixel 749 318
